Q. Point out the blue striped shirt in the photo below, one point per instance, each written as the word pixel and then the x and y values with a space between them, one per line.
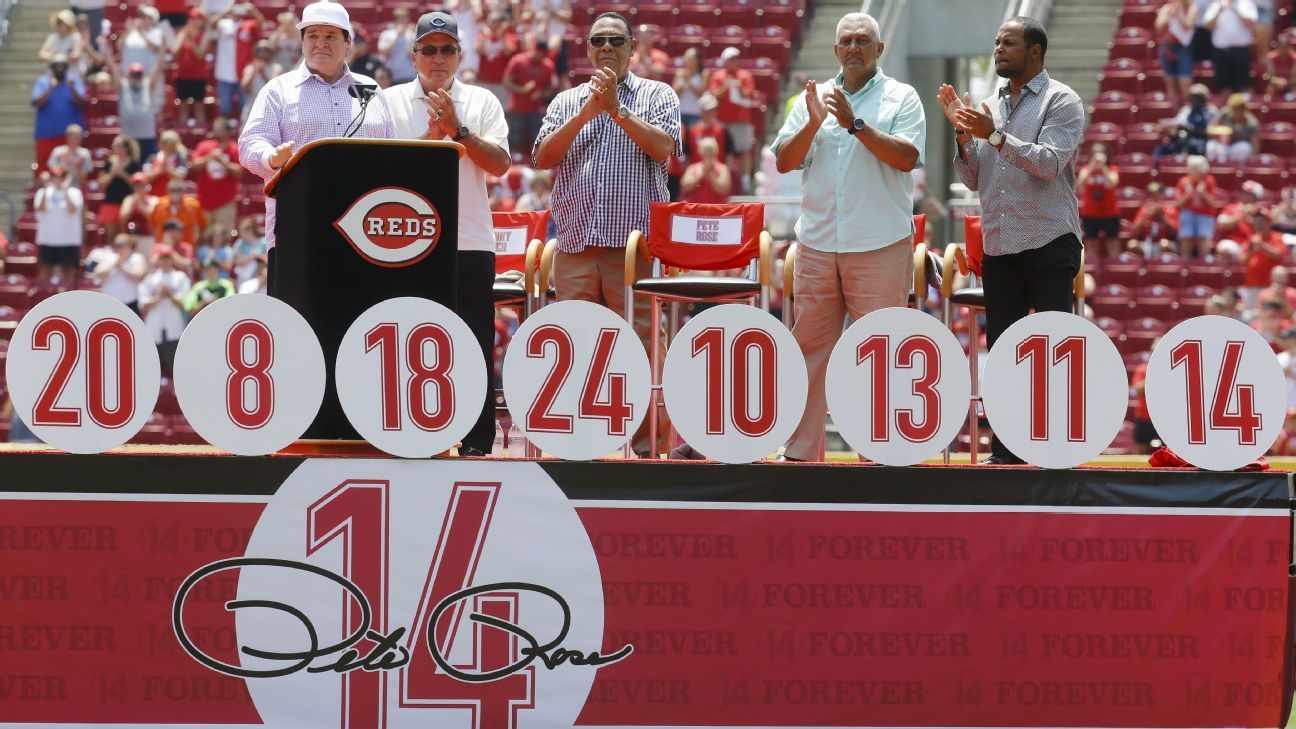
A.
pixel 604 184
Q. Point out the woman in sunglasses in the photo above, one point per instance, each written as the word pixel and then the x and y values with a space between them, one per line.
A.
pixel 609 139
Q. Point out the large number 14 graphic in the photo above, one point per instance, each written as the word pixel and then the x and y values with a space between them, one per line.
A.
pixel 356 512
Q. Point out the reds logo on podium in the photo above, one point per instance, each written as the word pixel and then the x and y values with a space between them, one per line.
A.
pixel 391 226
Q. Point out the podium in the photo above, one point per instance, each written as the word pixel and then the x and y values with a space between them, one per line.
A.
pixel 361 221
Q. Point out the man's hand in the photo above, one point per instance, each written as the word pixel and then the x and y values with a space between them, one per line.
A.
pixel 592 106
pixel 951 103
pixel 441 114
pixel 281 154
pixel 815 105
pixel 980 123
pixel 604 84
pixel 839 106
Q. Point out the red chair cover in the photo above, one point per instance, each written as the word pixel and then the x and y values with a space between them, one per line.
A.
pixel 513 232
pixel 702 236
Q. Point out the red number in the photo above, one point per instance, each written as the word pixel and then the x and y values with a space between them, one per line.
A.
pixel 255 371
pixel 1244 419
pixel 495 703
pixel 383 337
pixel 437 375
pixel 875 350
pixel 356 512
pixel 710 344
pixel 923 387
pixel 540 418
pixel 46 410
pixel 614 408
pixel 1072 349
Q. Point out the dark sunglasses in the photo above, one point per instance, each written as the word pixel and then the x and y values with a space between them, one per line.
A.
pixel 617 41
pixel 449 50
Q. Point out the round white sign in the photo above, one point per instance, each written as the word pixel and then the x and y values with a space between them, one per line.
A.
pixel 577 380
pixel 410 377
pixel 1055 389
pixel 1216 393
pixel 83 372
pixel 898 386
pixel 735 383
pixel 249 374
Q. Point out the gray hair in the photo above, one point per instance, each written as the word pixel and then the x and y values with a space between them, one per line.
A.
pixel 1197 163
pixel 865 18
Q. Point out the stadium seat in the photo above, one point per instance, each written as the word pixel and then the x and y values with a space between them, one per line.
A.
pixel 786 14
pixel 1142 137
pixel 705 13
pixel 1112 300
pixel 1226 175
pixel 1270 170
pixel 1129 199
pixel 21 259
pixel 1281 110
pixel 1136 169
pixel 1165 269
pixel 1154 107
pixel 1112 106
pixel 1158 302
pixel 15 291
pixel 728 35
pixel 661 14
pixel 773 42
pixel 745 13
pixel 1192 300
pixel 9 318
pixel 1126 269
pixel 1139 13
pixel 1142 332
pixel 1122 74
pixel 685 37
pixel 1278 138
pixel 751 252
pixel 1134 43
pixel 1210 271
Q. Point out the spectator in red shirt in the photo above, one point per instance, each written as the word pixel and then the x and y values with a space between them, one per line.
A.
pixel 532 79
pixel 1281 64
pixel 190 50
pixel 1155 226
pixel 1234 219
pixel 734 89
pixel 216 168
pixel 1278 290
pixel 707 180
pixel 1264 250
pixel 649 61
pixel 707 127
pixel 1099 213
pixel 497 43
pixel 1198 201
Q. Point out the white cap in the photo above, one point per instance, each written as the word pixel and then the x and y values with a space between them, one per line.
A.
pixel 730 52
pixel 325 13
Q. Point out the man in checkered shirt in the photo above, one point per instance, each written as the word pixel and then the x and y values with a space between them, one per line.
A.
pixel 1020 156
pixel 610 139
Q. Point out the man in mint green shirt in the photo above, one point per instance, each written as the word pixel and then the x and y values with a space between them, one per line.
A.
pixel 857 140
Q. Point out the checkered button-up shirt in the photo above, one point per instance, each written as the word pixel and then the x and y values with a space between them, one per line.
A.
pixel 301 107
pixel 604 184
pixel 1028 187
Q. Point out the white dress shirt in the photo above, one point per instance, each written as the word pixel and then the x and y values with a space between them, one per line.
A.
pixel 165 320
pixel 301 107
pixel 480 111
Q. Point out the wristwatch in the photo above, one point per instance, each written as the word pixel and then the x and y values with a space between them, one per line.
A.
pixel 996 138
pixel 623 111
pixel 461 133
pixel 857 126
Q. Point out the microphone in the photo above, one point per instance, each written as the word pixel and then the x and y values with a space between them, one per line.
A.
pixel 365 93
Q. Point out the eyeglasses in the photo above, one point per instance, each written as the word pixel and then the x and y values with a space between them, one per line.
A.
pixel 598 41
pixel 854 42
pixel 449 50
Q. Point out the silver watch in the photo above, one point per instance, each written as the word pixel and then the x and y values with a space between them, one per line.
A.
pixel 996 138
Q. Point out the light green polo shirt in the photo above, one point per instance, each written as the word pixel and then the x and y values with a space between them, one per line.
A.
pixel 852 202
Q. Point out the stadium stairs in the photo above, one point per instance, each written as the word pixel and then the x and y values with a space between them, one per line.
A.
pixel 1079 33
pixel 19 67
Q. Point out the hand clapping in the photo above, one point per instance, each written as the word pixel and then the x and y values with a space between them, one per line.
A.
pixel 442 119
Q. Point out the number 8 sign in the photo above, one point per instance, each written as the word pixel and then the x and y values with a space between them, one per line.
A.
pixel 1055 389
pixel 83 372
pixel 735 383
pixel 576 376
pixel 1216 393
pixel 898 386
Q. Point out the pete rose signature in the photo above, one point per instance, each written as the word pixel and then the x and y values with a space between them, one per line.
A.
pixel 386 653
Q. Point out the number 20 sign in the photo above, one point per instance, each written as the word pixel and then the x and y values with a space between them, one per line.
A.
pixel 1055 389
pixel 576 376
pixel 83 372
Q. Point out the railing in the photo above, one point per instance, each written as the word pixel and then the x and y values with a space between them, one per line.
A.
pixel 6 7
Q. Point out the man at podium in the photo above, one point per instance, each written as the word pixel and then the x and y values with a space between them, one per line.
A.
pixel 437 106
pixel 319 99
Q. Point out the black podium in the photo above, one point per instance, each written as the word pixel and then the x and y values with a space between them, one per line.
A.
pixel 361 221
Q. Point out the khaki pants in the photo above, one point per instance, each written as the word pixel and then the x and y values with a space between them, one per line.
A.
pixel 829 287
pixel 221 222
pixel 598 275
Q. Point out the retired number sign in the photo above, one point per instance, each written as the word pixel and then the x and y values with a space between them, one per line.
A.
pixel 734 383
pixel 1216 393
pixel 577 378
pixel 410 377
pixel 249 374
pixel 898 386
pixel 1055 389
pixel 83 372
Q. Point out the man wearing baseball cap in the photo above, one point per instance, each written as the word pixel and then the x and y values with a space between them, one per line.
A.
pixel 319 99
pixel 435 105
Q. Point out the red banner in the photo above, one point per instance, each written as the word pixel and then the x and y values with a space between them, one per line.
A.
pixel 761 613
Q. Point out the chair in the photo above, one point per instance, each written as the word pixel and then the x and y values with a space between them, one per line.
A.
pixel 1122 74
pixel 1134 43
pixel 773 42
pixel 745 13
pixel 1278 138
pixel 1154 106
pixel 786 14
pixel 689 237
pixel 705 13
pixel 1165 269
pixel 1192 300
pixel 728 35
pixel 21 259
pixel 1112 106
pixel 1136 169
pixel 1126 269
pixel 686 36
pixel 14 291
pixel 1139 13
pixel 1267 169
pixel 519 239
pixel 1158 302
pixel 1129 199
pixel 1113 301
pixel 661 14
pixel 1142 138
pixel 1141 333
pixel 1107 133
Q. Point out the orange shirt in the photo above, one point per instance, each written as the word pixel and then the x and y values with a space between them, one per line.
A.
pixel 190 215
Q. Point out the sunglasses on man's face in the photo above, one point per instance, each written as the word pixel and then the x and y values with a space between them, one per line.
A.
pixel 449 50
pixel 598 41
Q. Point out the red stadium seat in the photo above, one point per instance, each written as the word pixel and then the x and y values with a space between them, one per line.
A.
pixel 728 35
pixel 14 291
pixel 786 14
pixel 1281 110
pixel 746 13
pixel 1142 137
pixel 156 431
pixel 705 13
pixel 1112 106
pixel 1122 74
pixel 1126 270
pixel 1142 332
pixel 1129 200
pixel 1158 302
pixel 685 37
pixel 1165 269
pixel 1133 43
pixel 9 318
pixel 1139 13
pixel 1192 300
pixel 1211 271
pixel 1226 175
pixel 1172 168
pixel 1109 134
pixel 1267 169
pixel 21 259
pixel 1136 169
pixel 1278 138
pixel 1154 107
pixel 661 14
pixel 1112 300
pixel 772 42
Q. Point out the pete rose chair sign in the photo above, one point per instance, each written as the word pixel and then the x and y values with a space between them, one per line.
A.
pixel 201 591
pixel 82 372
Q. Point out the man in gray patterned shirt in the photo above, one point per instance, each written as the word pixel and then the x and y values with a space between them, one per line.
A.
pixel 609 139
pixel 1020 156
